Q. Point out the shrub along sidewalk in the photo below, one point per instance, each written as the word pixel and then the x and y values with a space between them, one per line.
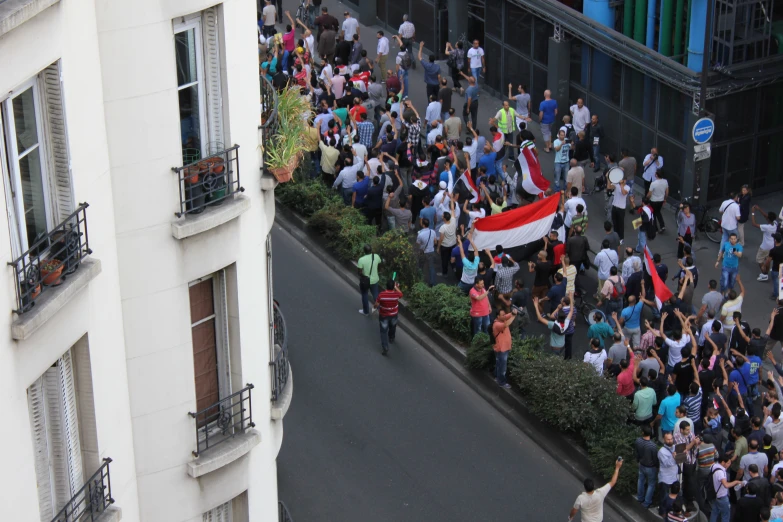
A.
pixel 567 395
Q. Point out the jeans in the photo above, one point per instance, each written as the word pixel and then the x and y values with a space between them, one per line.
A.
pixel 429 260
pixel 465 287
pixel 642 241
pixel 509 150
pixel 476 73
pixel 480 324
pixel 645 488
pixel 634 335
pixel 725 237
pixel 365 298
pixel 347 195
pixel 727 277
pixel 501 358
pixel 568 346
pixel 388 330
pixel 773 276
pixel 721 509
pixel 403 76
pixel 598 158
pixel 561 171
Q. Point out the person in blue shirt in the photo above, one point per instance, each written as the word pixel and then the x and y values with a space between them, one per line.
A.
pixel 487 160
pixel 444 176
pixel 741 376
pixel 360 190
pixel 456 258
pixel 556 293
pixel 730 253
pixel 547 112
pixel 630 320
pixel 428 213
pixel 667 411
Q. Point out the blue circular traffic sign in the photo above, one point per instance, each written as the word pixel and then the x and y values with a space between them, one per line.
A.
pixel 703 130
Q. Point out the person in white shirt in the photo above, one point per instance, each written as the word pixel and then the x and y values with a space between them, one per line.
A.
pixel 595 356
pixel 406 33
pixel 659 191
pixel 580 115
pixel 350 27
pixel 359 150
pixel 425 240
pixel 383 52
pixel 474 210
pixel 652 162
pixel 570 206
pixel 619 204
pixel 767 242
pixel 729 222
pixel 591 501
pixel 631 261
pixel 477 63
pixel 433 111
pixel 347 178
pixel 437 130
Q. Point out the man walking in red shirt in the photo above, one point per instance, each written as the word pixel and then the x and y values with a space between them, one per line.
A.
pixel 500 329
pixel 388 305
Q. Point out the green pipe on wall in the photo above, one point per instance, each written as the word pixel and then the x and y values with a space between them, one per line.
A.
pixel 640 21
pixel 665 31
pixel 628 18
pixel 687 29
pixel 678 27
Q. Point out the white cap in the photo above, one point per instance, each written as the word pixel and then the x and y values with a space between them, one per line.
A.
pixel 443 185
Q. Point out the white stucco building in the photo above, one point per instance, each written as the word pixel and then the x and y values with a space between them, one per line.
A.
pixel 138 315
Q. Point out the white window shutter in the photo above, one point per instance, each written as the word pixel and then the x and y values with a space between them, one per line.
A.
pixel 55 427
pixel 54 110
pixel 212 80
pixel 37 408
pixel 222 513
pixel 221 329
pixel 71 423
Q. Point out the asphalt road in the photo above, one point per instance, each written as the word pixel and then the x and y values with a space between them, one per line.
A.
pixel 397 438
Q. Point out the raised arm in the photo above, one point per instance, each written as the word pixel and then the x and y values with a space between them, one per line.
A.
pixel 739 279
pixel 538 312
pixel 421 48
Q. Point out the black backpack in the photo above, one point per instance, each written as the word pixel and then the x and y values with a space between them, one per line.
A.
pixel 405 61
pixel 710 493
pixel 648 224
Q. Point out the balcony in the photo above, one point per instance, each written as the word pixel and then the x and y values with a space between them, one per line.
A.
pixel 267 128
pixel 51 272
pixel 282 512
pixel 210 192
pixel 14 13
pixel 282 379
pixel 223 432
pixel 93 502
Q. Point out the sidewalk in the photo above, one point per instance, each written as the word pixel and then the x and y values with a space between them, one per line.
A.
pixel 757 305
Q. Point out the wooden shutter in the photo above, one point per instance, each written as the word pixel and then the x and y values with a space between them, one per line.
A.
pixel 36 403
pixel 212 80
pixel 57 142
pixel 222 513
pixel 203 335
pixel 222 338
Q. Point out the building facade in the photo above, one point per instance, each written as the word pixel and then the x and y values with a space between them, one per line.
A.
pixel 637 64
pixel 145 367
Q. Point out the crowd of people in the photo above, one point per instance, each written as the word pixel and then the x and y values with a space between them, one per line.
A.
pixel 692 370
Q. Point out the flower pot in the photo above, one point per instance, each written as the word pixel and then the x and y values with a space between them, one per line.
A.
pixel 284 174
pixel 51 276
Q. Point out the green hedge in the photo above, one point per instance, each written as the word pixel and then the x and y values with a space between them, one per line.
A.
pixel 568 395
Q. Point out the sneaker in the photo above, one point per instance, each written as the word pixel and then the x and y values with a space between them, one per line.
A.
pixel 762 277
pixel 361 311
pixel 663 229
pixel 506 386
pixel 621 241
pixel 384 351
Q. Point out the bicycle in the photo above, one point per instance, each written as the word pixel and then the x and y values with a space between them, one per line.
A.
pixel 709 222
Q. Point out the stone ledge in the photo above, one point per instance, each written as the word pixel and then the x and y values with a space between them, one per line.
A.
pixel 54 299
pixel 268 182
pixel 283 402
pixel 112 514
pixel 14 13
pixel 224 454
pixel 192 224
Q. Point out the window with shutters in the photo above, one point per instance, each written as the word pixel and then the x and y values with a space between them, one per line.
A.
pixel 209 333
pixel 198 62
pixel 34 158
pixel 62 420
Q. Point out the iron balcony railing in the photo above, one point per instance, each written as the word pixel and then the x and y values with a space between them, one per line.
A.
pixel 51 259
pixel 279 364
pixel 223 420
pixel 209 181
pixel 282 512
pixel 269 123
pixel 89 503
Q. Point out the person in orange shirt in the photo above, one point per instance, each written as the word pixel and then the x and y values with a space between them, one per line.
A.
pixel 502 334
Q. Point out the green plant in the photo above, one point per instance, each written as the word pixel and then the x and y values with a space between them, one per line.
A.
pixel 398 254
pixel 570 396
pixel 50 265
pixel 443 306
pixel 286 145
pixel 603 453
pixel 354 233
pixel 526 349
pixel 480 354
pixel 307 197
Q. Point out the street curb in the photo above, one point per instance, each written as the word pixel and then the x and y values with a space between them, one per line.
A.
pixel 563 449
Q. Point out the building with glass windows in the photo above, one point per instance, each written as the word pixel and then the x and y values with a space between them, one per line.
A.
pixel 637 64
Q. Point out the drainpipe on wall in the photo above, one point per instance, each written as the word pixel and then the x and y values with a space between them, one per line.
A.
pixel 638 22
pixel 628 20
pixel 652 7
pixel 696 34
pixel 678 28
pixel 665 30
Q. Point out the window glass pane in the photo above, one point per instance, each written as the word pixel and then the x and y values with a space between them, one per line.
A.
pixel 33 195
pixel 493 58
pixel 423 16
pixel 519 25
pixel 538 87
pixel 605 76
pixel 638 139
pixel 769 160
pixel 185 47
pixel 717 173
pixel 771 107
pixel 190 118
pixel 739 165
pixel 542 31
pixel 639 95
pixel 579 62
pixel 24 121
pixel 574 93
pixel 494 17
pixel 398 8
pixel 734 115
pixel 673 107
pixel 516 72
pixel 475 30
pixel 609 118
pixel 673 163
pixel 476 8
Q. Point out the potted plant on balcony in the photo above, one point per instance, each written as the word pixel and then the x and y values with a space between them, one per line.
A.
pixel 283 152
pixel 51 270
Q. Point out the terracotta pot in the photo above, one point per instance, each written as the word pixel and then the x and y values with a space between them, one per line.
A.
pixel 36 292
pixel 284 174
pixel 52 277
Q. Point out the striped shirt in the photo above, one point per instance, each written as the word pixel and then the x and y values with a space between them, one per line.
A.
pixel 706 456
pixel 646 452
pixel 389 303
pixel 693 404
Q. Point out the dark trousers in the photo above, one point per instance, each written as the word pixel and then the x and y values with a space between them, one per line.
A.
pixel 510 150
pixel 647 186
pixel 690 483
pixel 473 112
pixel 455 77
pixel 657 214
pixel 432 90
pixel 618 221
pixel 445 258
pixel 681 247
pixel 373 214
pixel 568 346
